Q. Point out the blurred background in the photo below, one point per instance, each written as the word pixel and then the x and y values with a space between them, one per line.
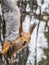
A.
pixel 37 52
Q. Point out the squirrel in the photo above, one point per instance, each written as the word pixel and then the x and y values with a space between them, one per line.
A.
pixel 12 47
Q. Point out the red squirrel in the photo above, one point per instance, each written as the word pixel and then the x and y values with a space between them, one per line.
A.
pixel 12 47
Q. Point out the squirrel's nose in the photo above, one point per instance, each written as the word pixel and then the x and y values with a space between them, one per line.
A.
pixel 24 43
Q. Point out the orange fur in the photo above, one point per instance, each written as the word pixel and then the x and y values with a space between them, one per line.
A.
pixel 16 45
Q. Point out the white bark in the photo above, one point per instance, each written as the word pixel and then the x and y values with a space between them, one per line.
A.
pixel 12 18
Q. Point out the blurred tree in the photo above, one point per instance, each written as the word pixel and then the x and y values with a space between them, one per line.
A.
pixel 46 51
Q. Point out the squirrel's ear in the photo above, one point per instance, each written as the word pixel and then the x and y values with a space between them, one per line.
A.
pixel 21 27
pixel 32 26
pixel 20 30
